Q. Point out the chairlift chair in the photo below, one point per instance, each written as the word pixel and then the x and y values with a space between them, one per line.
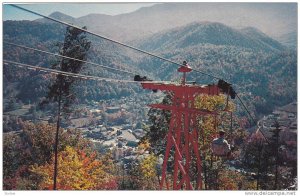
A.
pixel 220 146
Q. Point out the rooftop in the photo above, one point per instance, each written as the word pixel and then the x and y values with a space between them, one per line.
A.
pixel 110 143
pixel 128 136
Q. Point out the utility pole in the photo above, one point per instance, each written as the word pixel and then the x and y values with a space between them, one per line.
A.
pixel 57 139
pixel 123 180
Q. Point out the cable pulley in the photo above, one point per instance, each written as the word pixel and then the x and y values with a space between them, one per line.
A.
pixel 227 88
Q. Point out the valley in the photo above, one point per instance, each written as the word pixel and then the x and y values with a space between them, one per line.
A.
pixel 108 124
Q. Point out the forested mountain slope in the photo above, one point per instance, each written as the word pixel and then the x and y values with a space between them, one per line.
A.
pixel 263 70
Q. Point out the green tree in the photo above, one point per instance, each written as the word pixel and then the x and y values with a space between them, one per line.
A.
pixel 159 126
pixel 12 105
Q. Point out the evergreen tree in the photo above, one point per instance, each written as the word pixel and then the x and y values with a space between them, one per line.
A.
pixel 12 105
pixel 61 91
pixel 261 156
pixel 281 168
pixel 256 159
pixel 159 127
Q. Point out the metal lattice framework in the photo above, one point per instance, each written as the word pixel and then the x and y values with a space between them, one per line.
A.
pixel 183 131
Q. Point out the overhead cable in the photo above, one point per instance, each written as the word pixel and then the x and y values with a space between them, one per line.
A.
pixel 75 75
pixel 254 121
pixel 245 108
pixel 71 58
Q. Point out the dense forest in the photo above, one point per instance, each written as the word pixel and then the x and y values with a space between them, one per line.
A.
pixel 259 71
pixel 258 65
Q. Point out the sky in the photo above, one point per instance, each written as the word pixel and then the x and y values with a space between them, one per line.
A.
pixel 72 9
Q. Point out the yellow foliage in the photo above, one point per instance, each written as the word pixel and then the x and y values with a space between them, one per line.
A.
pixel 232 180
pixel 209 124
pixel 76 171
pixel 147 169
pixel 229 180
pixel 148 166
pixel 213 103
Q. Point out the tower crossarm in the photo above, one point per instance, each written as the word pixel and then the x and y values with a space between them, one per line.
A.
pixel 190 89
pixel 183 109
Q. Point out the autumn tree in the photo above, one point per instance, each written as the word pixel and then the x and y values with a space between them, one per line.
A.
pixel 148 170
pixel 11 154
pixel 232 180
pixel 77 171
pixel 34 145
pixel 209 126
pixel 143 173
pixel 61 91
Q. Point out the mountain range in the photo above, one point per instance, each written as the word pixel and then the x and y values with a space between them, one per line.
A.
pixel 259 65
pixel 210 33
pixel 273 19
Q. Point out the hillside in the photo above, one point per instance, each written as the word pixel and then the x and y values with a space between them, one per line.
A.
pixel 210 33
pixel 262 38
pixel 259 65
pixel 46 36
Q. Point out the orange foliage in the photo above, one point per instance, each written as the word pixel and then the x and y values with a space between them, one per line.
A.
pixel 76 171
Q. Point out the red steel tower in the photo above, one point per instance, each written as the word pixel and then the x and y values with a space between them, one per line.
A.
pixel 183 134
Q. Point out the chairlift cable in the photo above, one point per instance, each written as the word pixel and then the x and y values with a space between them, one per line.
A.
pixel 67 57
pixel 69 74
pixel 252 118
pixel 75 75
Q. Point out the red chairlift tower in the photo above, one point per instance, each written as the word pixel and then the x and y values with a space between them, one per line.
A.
pixel 183 131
